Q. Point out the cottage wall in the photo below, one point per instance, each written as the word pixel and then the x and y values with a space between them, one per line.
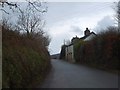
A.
pixel 70 54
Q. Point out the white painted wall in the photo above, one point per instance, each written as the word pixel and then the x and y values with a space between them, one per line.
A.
pixel 70 54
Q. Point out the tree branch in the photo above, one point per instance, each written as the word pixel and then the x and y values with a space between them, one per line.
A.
pixel 4 11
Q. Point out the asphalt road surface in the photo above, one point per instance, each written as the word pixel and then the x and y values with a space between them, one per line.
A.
pixel 68 75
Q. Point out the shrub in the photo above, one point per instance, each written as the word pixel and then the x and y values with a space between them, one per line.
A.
pixel 102 51
pixel 24 60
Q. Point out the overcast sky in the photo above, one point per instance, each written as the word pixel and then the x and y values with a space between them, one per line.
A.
pixel 66 19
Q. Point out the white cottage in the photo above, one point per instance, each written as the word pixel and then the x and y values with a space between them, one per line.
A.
pixel 69 50
pixel 69 53
pixel 88 35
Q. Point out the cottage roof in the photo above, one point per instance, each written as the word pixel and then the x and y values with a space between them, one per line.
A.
pixel 84 37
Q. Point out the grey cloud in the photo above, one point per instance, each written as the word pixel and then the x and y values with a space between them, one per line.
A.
pixel 104 23
pixel 76 29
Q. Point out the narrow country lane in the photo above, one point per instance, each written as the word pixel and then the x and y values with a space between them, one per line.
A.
pixel 67 75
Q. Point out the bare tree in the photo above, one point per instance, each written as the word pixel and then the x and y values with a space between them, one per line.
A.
pixel 117 17
pixel 117 8
pixel 36 4
pixel 28 21
pixel 118 14
pixel 29 18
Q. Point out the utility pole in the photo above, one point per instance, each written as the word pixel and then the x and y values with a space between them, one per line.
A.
pixel 64 41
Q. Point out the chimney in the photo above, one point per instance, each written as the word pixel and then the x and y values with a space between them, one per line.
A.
pixel 87 32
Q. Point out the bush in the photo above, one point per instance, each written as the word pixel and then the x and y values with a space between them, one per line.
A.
pixel 24 60
pixel 79 51
pixel 102 51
